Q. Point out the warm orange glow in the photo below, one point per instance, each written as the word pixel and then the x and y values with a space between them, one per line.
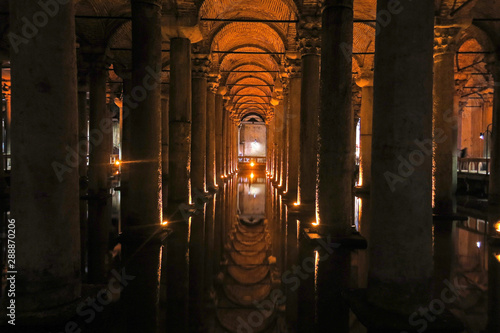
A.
pixel 117 162
pixel 252 175
pixel 164 223
pixel 316 223
pixel 296 204
pixel 252 164
pixel 498 257
pixel 497 227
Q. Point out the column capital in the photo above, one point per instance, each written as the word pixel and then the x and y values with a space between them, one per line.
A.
pixel 213 82
pixel 309 35
pixel 201 65
pixel 293 68
pixel 445 39
pixel 365 79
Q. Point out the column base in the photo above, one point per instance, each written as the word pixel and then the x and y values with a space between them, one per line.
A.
pixel 379 320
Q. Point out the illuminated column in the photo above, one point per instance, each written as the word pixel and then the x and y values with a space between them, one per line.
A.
pixel 278 134
pixel 199 123
pixel 101 145
pixel 219 124
pixel 142 218
pixel 165 132
pixel 336 123
pixel 494 185
pixel 401 228
pixel 445 121
pixel 213 84
pixel 365 81
pixel 179 187
pixel 224 141
pixel 293 127
pixel 284 136
pixel 309 46
pixel 44 184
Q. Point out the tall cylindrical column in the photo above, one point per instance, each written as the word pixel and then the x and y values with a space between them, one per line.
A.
pixel 336 123
pixel 142 218
pixel 180 122
pixel 494 185
pixel 293 127
pixel 401 229
pixel 199 125
pixel 365 81
pixel 309 45
pixel 44 183
pixel 219 157
pixel 83 143
pixel 100 149
pixel 445 122
pixel 179 186
pixel 213 84
pixel 165 132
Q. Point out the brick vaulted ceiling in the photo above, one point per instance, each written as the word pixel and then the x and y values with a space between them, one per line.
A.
pixel 254 75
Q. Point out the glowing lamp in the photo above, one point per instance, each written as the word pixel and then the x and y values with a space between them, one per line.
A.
pixel 497 227
pixel 252 176
pixel 296 204
pixel 117 162
pixel 164 223
pixel 497 256
pixel 252 164
pixel 481 136
pixel 316 223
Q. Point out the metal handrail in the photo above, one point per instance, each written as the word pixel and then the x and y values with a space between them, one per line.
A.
pixel 474 165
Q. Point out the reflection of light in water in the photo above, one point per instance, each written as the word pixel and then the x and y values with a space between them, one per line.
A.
pixel 252 176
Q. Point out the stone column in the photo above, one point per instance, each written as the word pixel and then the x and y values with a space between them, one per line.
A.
pixel 278 132
pixel 336 155
pixel 44 183
pixel 142 218
pixel 365 81
pixel 213 84
pixel 219 111
pixel 199 125
pixel 100 148
pixel 179 184
pixel 83 148
pixel 293 126
pixel 309 46
pixel 401 229
pixel 284 137
pixel 180 122
pixel 165 132
pixel 494 185
pixel 445 121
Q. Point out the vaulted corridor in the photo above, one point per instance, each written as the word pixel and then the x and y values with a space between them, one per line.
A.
pixel 250 166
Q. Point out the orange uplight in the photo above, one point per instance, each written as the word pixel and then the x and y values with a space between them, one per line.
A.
pixel 117 162
pixel 497 227
pixel 315 223
pixel 252 176
pixel 252 164
pixel 498 257
pixel 164 223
